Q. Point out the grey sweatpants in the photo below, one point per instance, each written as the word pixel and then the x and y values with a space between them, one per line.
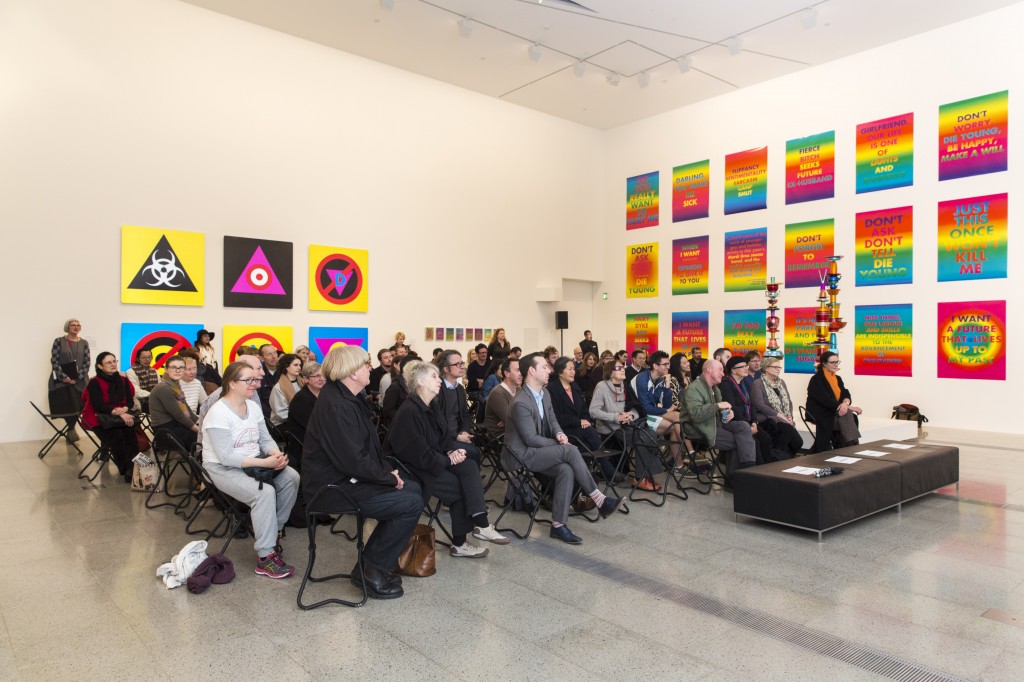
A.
pixel 269 507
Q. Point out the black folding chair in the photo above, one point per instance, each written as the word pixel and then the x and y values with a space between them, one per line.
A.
pixel 431 508
pixel 65 428
pixel 592 458
pixel 808 420
pixel 490 452
pixel 521 483
pixel 646 447
pixel 293 448
pixel 311 525
pixel 100 455
pixel 233 514
pixel 170 455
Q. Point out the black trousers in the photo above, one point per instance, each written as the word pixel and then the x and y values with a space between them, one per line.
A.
pixel 182 434
pixel 460 488
pixel 396 512
pixel 121 444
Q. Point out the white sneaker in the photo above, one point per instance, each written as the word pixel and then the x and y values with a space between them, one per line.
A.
pixel 468 550
pixel 489 534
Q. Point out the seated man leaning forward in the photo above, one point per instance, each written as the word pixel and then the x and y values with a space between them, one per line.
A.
pixel 704 409
pixel 533 433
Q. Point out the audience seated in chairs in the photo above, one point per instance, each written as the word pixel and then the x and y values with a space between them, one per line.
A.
pixel 476 373
pixel 192 387
pixel 704 407
pixel 734 392
pixel 302 408
pixel 342 448
pixel 696 363
pixel 235 438
pixel 416 439
pixel 250 359
pixel 500 398
pixel 106 413
pixel 534 435
pixel 656 399
pixel 450 404
pixel 494 377
pixel 384 358
pixel 773 408
pixel 637 365
pixel 269 355
pixel 398 391
pixel 208 373
pixel 754 372
pixel 287 383
pixel 143 378
pixel 614 405
pixel 830 406
pixel 168 410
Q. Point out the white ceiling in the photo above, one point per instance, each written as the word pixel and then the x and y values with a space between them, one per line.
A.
pixel 609 38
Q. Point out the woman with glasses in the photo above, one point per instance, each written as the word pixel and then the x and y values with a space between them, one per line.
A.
pixel 301 409
pixel 235 437
pixel 107 413
pixel 830 406
pixel 613 406
pixel 773 408
pixel 69 364
pixel 168 408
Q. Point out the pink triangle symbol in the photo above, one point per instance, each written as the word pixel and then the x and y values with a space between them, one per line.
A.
pixel 258 277
pixel 325 345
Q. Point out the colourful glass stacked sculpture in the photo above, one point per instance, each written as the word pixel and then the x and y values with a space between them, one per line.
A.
pixel 773 350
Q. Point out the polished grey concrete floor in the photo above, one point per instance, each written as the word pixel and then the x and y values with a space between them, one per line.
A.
pixel 80 600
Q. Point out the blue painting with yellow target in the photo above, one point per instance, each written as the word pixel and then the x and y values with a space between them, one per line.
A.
pixel 162 340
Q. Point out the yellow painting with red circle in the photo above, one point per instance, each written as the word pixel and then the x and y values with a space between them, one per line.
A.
pixel 338 279
pixel 972 340
pixel 238 335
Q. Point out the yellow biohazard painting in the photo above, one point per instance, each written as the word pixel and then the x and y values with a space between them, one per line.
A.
pixel 238 335
pixel 338 279
pixel 162 267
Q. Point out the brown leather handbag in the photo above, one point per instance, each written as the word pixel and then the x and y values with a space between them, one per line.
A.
pixel 418 559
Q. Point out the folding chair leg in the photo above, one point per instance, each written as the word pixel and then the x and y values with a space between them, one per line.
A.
pixel 311 526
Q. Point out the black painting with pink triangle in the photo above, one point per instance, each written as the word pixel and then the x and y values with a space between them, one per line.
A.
pixel 257 273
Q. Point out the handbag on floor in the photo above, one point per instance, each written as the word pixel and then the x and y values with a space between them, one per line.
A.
pixel 145 475
pixel 418 558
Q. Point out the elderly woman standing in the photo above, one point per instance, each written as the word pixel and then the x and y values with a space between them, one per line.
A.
pixel 773 407
pixel 69 363
pixel 417 439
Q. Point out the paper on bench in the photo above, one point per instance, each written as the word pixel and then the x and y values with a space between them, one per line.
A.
pixel 803 471
pixel 872 453
pixel 898 446
pixel 843 460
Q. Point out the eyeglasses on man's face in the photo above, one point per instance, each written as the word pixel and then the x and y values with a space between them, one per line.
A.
pixel 457 364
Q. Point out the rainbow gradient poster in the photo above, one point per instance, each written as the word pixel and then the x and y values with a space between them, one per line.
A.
pixel 885 247
pixel 642 332
pixel 642 201
pixel 690 266
pixel 745 330
pixel 883 340
pixel 973 136
pixel 798 334
pixel 746 180
pixel 810 168
pixel 972 340
pixel 746 259
pixel 972 238
pixel 885 154
pixel 690 329
pixel 690 191
pixel 808 246
pixel 642 270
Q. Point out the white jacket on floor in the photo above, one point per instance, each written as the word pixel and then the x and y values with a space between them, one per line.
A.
pixel 183 565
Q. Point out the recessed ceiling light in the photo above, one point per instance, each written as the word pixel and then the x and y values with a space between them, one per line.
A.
pixel 465 27
pixel 387 4
pixel 579 68
pixel 644 79
pixel 685 63
pixel 809 17
pixel 534 52
pixel 735 45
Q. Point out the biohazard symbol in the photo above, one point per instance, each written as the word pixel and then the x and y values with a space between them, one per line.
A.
pixel 162 271
pixel 339 279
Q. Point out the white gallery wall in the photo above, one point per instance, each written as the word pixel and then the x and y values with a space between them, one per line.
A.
pixel 969 59
pixel 157 113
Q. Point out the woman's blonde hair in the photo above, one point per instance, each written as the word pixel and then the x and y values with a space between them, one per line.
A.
pixel 344 361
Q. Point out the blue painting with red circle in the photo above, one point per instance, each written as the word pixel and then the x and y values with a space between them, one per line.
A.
pixel 257 273
pixel 162 340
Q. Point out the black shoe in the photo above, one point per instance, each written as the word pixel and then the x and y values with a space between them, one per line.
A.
pixel 565 535
pixel 394 578
pixel 241 533
pixel 610 506
pixel 376 582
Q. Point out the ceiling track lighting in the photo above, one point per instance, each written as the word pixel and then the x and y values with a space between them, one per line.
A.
pixel 685 63
pixel 465 27
pixel 735 45
pixel 809 18
pixel 534 52
pixel 644 79
pixel 579 68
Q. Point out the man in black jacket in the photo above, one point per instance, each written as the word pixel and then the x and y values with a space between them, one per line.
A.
pixel 450 405
pixel 588 345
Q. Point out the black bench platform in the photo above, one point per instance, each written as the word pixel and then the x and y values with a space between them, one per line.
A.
pixel 865 487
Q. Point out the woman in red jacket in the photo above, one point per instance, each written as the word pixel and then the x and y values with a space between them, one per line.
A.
pixel 107 413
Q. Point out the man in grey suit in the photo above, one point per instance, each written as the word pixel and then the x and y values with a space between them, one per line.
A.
pixel 533 433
